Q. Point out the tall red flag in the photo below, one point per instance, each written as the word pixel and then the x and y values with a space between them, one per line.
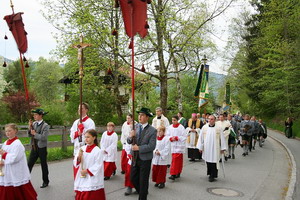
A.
pixel 135 17
pixel 16 26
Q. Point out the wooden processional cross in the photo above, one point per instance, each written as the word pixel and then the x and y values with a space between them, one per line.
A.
pixel 80 48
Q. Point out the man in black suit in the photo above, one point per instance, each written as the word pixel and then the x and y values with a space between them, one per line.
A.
pixel 143 141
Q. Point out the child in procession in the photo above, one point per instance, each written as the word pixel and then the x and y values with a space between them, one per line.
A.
pixel 177 136
pixel 108 144
pixel 89 183
pixel 160 158
pixel 128 184
pixel 14 177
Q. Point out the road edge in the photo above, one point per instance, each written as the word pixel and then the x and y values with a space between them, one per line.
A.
pixel 293 178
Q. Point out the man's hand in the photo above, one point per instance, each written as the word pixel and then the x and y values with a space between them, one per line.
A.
pixel 222 151
pixel 135 148
pixel 33 132
pixel 132 133
pixel 30 123
pixel 1 163
pixel 157 153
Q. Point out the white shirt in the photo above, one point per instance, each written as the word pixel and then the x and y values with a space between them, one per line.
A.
pixel 92 161
pixel 211 141
pixel 163 147
pixel 177 146
pixel 160 122
pixel 15 169
pixel 109 144
pixel 88 124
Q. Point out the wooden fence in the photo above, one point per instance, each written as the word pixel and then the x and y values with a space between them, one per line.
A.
pixel 64 131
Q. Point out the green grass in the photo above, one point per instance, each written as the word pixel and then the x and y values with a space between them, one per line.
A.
pixel 56 153
pixel 51 138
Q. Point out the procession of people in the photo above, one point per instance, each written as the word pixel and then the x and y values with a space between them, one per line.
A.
pixel 157 146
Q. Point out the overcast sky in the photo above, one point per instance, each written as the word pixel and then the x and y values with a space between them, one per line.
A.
pixel 41 41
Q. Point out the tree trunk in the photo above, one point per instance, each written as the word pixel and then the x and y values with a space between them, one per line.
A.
pixel 162 67
pixel 116 65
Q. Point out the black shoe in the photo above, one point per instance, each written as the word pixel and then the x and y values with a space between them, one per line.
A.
pixel 229 157
pixel 114 173
pixel 161 186
pixel 226 158
pixel 156 185
pixel 220 160
pixel 168 166
pixel 106 178
pixel 128 191
pixel 135 192
pixel 253 148
pixel 233 156
pixel 122 172
pixel 192 160
pixel 211 179
pixel 177 176
pixel 172 177
pixel 244 154
pixel 44 185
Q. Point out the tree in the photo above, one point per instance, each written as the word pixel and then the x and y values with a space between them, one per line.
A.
pixel 175 40
pixel 45 80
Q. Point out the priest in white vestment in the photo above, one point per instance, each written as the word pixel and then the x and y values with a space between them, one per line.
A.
pixel 211 143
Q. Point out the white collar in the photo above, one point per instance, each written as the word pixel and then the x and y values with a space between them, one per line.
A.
pixel 144 125
pixel 39 122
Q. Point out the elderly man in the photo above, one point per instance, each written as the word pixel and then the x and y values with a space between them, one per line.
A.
pixel 143 141
pixel 211 143
pixel 160 119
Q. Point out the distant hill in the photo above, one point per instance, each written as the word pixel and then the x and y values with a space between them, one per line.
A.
pixel 6 59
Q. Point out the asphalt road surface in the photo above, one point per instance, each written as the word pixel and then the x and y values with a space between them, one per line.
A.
pixel 263 174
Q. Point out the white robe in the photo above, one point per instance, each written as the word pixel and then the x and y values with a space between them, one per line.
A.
pixel 192 143
pixel 160 122
pixel 163 146
pixel 88 124
pixel 126 128
pixel 109 144
pixel 224 124
pixel 92 161
pixel 177 146
pixel 211 141
pixel 15 169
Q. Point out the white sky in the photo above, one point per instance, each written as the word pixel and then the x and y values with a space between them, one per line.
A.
pixel 41 41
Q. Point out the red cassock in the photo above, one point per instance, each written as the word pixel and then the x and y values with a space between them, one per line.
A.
pixel 177 163
pixel 16 26
pixel 90 195
pixel 135 17
pixel 124 160
pixel 22 192
pixel 159 173
pixel 109 168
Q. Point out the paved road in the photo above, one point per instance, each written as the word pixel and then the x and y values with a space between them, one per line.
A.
pixel 261 175
pixel 294 146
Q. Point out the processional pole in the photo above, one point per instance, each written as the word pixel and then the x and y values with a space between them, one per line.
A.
pixel 80 57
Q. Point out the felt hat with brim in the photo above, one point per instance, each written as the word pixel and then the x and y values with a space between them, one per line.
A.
pixel 146 111
pixel 39 111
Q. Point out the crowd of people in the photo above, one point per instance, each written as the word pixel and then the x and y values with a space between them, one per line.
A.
pixel 147 147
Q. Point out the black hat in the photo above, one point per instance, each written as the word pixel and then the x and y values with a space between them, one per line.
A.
pixel 39 111
pixel 146 111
